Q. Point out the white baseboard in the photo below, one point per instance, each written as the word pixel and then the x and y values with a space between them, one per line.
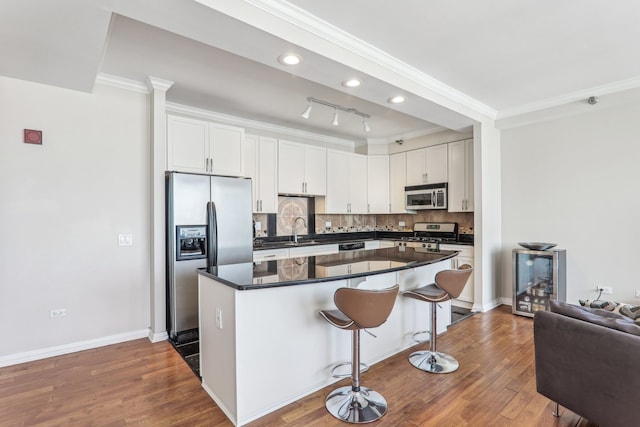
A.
pixel 43 353
pixel 158 336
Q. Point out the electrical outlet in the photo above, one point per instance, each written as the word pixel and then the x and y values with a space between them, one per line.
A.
pixel 327 224
pixel 605 289
pixel 57 312
pixel 219 317
pixel 125 240
pixel 637 293
pixel 401 224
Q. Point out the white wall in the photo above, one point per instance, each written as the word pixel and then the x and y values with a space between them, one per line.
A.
pixel 574 181
pixel 62 206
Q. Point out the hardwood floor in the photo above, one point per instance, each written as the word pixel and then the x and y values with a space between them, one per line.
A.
pixel 139 383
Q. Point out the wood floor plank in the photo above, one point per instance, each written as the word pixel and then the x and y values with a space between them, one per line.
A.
pixel 138 383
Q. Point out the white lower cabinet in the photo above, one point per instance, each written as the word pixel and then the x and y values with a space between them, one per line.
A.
pixel 464 257
pixel 295 252
pixel 270 254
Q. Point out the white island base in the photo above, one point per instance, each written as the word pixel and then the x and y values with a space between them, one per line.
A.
pixel 262 349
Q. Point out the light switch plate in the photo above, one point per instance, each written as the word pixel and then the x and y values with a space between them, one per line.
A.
pixel 258 226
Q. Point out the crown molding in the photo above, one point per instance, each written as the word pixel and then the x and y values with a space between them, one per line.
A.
pixel 408 135
pixel 569 98
pixel 172 107
pixel 155 83
pixel 122 83
pixel 312 24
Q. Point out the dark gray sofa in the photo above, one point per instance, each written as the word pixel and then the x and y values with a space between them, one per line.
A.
pixel 588 361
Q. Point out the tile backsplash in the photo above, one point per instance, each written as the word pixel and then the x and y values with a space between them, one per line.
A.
pixel 289 208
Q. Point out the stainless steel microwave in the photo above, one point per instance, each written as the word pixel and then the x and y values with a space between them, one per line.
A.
pixel 427 196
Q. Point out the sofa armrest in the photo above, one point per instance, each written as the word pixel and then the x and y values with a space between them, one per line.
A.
pixel 590 369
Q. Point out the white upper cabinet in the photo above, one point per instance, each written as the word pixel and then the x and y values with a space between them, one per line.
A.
pixel 358 184
pixel 302 169
pixel 378 184
pixel 427 165
pixel 260 163
pixel 397 181
pixel 461 176
pixel 346 183
pixel 199 146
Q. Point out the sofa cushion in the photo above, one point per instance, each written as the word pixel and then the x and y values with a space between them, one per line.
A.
pixel 596 316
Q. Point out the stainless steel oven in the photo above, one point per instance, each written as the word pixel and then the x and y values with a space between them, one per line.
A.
pixel 428 196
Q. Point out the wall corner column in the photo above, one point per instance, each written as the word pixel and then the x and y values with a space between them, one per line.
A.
pixel 488 216
pixel 158 158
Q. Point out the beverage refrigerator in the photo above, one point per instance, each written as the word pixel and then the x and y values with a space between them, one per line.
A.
pixel 209 223
pixel 538 277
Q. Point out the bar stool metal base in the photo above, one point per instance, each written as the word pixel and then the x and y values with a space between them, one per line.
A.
pixel 433 361
pixel 356 407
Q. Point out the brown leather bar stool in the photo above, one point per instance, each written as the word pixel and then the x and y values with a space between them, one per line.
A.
pixel 448 285
pixel 358 309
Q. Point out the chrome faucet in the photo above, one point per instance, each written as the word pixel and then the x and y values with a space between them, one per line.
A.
pixel 295 230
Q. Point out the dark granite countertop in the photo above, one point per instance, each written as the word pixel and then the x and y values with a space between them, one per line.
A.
pixel 322 268
pixel 337 238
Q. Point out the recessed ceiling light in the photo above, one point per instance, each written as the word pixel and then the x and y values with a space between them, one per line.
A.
pixel 289 59
pixel 397 99
pixel 351 83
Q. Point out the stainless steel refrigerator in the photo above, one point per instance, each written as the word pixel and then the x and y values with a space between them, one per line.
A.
pixel 209 223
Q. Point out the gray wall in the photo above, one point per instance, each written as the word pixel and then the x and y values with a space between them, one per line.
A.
pixel 63 205
pixel 574 181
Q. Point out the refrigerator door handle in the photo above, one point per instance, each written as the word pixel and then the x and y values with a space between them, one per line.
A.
pixel 212 240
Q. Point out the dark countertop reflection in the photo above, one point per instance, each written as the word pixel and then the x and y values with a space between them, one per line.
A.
pixel 322 268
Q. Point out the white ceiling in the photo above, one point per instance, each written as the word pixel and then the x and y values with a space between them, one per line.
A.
pixel 455 60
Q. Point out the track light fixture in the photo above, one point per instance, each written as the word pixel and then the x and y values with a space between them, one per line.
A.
pixel 307 111
pixel 336 107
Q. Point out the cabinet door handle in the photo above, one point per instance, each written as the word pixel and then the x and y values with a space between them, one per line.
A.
pixel 270 256
pixel 368 208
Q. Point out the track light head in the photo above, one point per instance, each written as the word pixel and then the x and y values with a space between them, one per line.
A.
pixel 307 111
pixel 336 107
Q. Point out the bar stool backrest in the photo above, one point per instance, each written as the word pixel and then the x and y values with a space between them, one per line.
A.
pixel 368 308
pixel 453 281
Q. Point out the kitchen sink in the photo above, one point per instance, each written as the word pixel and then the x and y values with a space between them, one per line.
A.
pixel 302 243
pixel 286 244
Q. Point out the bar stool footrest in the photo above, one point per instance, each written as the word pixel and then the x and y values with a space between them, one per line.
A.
pixel 363 368
pixel 417 340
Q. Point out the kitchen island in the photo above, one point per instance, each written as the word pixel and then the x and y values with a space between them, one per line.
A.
pixel 263 344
